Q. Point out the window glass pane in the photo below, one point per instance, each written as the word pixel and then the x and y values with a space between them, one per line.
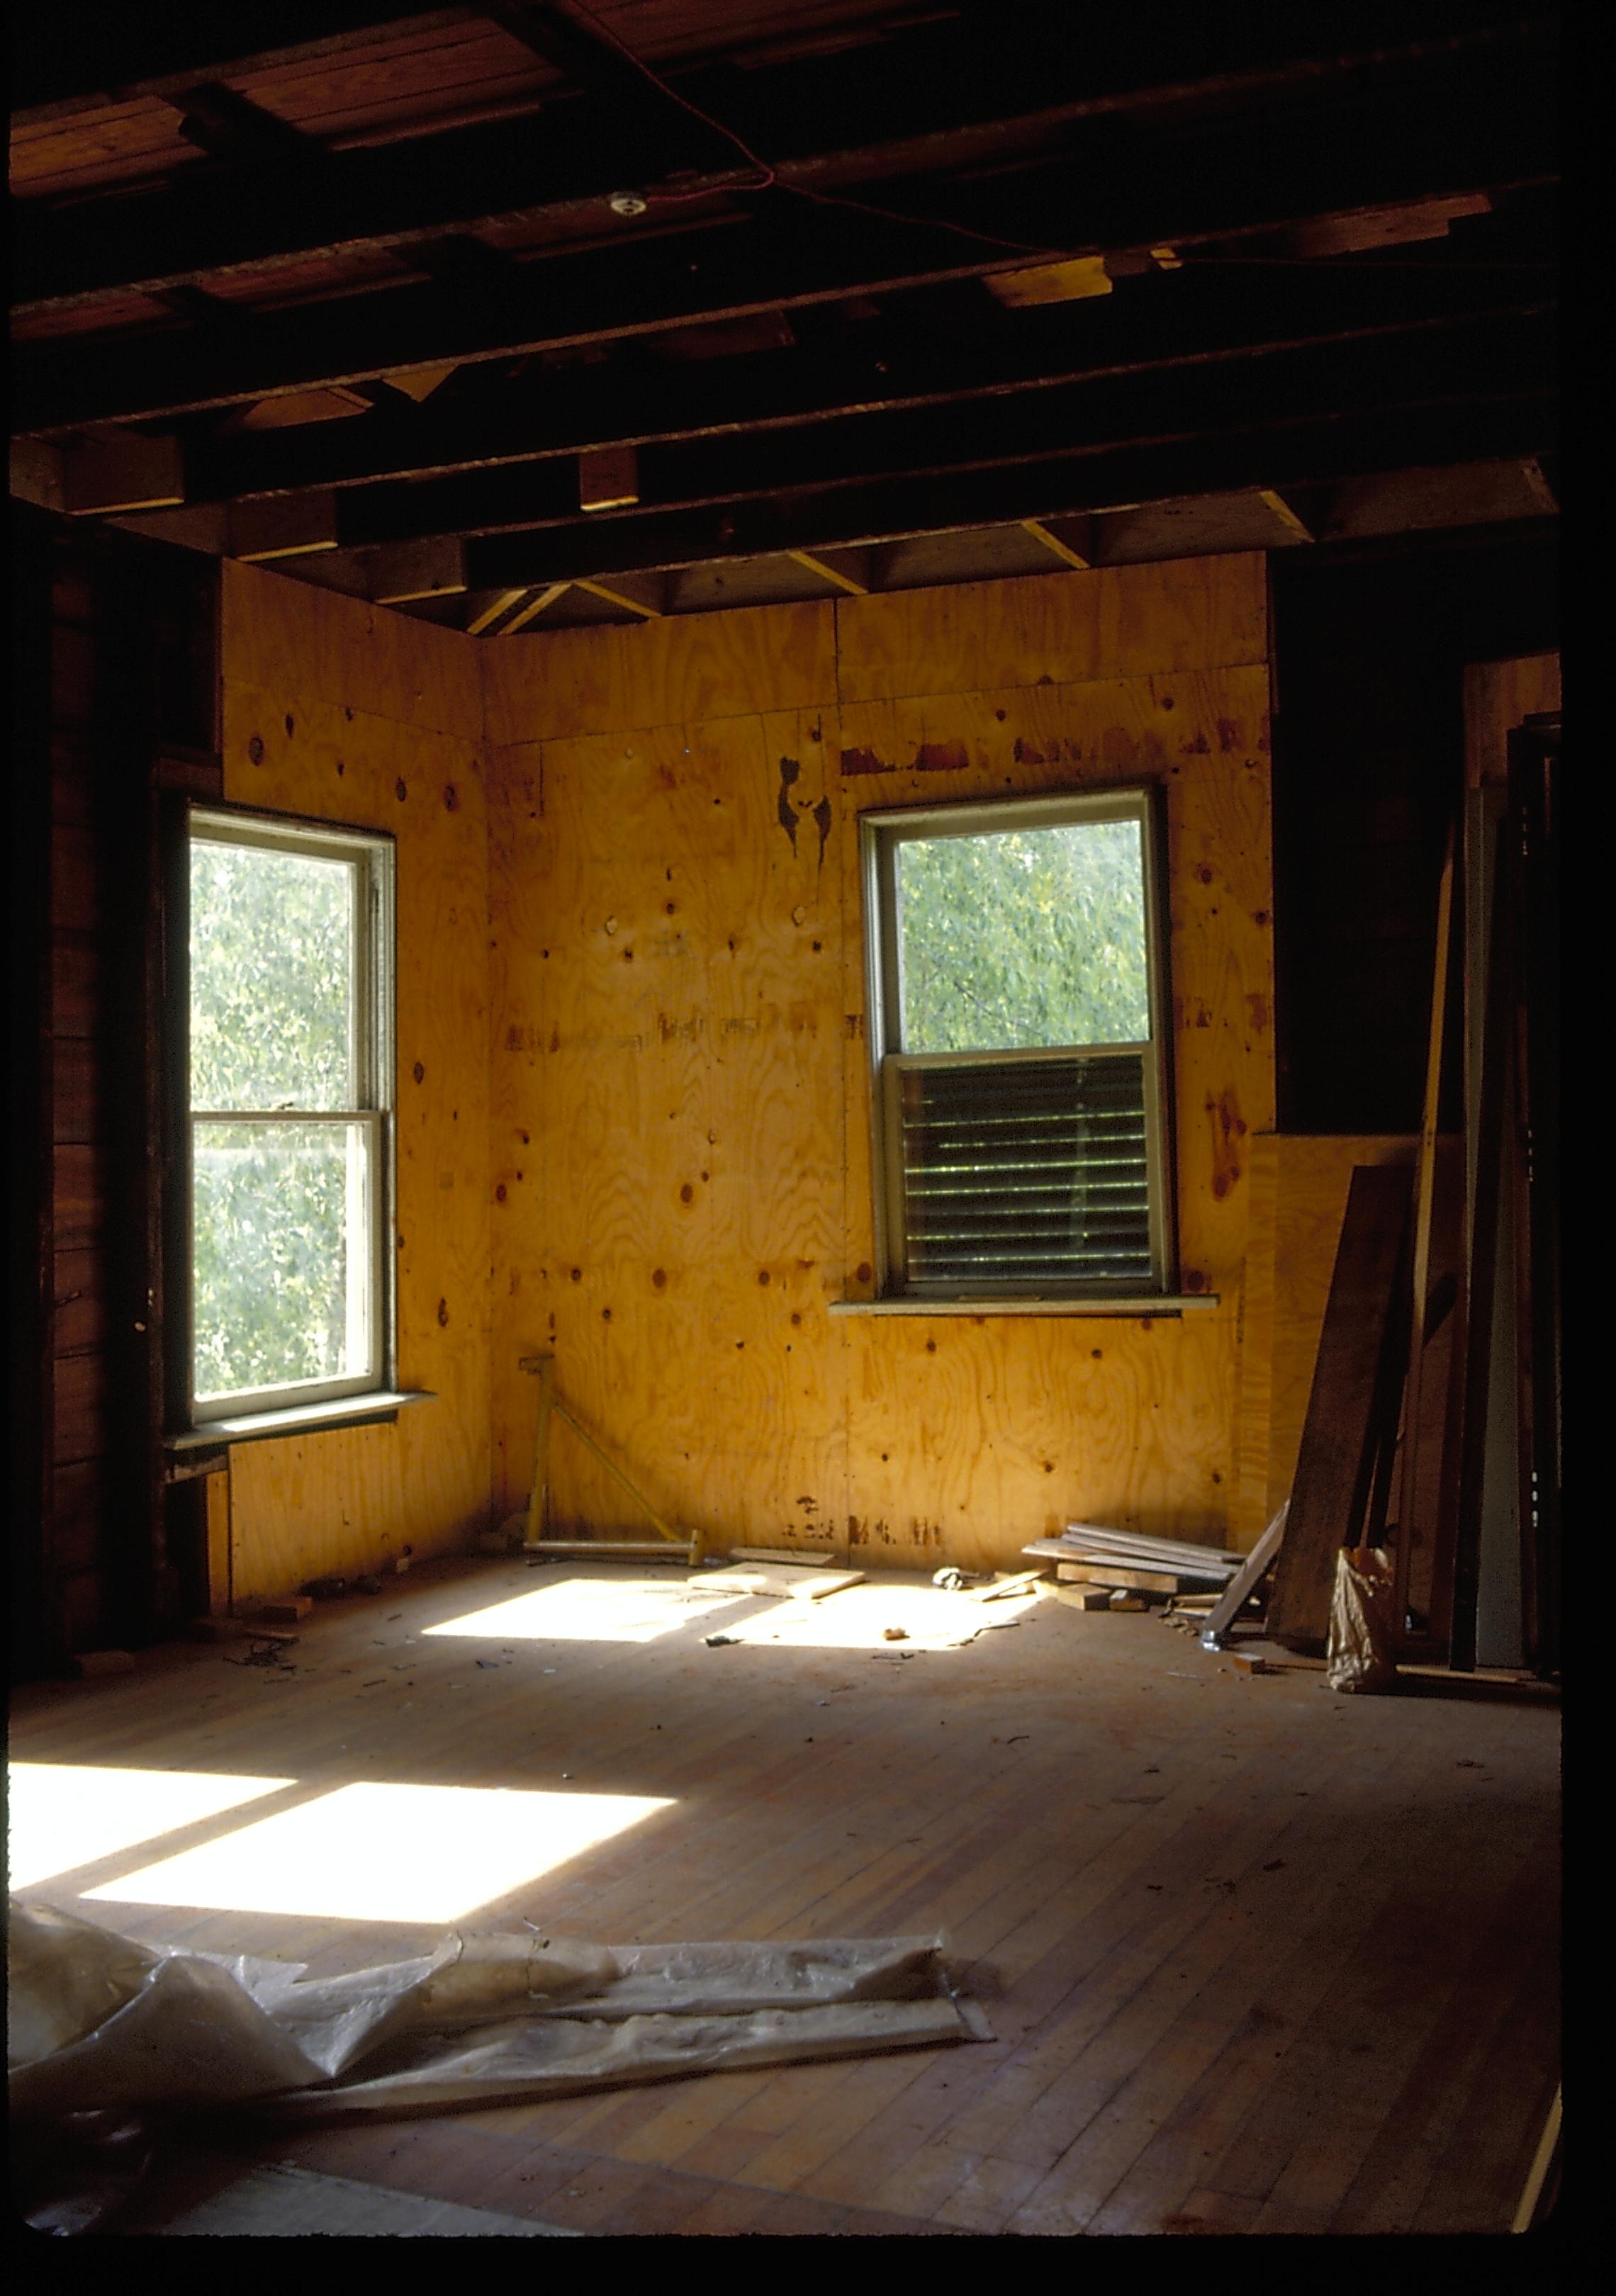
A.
pixel 282 1254
pixel 272 985
pixel 1023 939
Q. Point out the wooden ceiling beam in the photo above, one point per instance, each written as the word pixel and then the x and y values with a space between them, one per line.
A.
pixel 1200 189
pixel 1081 420
pixel 70 58
pixel 1508 426
pixel 1191 319
pixel 978 88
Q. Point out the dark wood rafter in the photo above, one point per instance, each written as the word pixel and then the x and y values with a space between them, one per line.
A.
pixel 1339 382
pixel 1274 455
pixel 1202 190
pixel 976 89
pixel 901 361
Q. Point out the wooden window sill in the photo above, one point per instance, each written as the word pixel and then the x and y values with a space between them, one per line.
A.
pixel 1160 1303
pixel 377 1408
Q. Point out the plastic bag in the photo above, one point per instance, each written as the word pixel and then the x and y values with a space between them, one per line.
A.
pixel 1361 1655
pixel 98 2023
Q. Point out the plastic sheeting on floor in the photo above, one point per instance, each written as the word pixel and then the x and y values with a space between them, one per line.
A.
pixel 99 2023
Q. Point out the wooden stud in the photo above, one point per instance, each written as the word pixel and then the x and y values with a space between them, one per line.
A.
pixel 538 1498
pixel 1245 1582
pixel 1345 1435
pixel 1425 1195
pixel 616 594
pixel 537 604
pixel 1285 513
pixel 1480 1400
pixel 127 473
pixel 608 478
pixel 501 603
pixel 434 568
pixel 830 573
pixel 1081 558
pixel 282 526
pixel 1050 283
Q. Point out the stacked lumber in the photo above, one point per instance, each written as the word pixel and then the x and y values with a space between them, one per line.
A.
pixel 1134 1561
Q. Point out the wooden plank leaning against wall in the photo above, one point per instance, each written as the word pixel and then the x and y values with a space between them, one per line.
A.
pixel 344 712
pixel 680 1096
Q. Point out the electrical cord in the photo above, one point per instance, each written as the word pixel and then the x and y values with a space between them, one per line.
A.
pixel 768 179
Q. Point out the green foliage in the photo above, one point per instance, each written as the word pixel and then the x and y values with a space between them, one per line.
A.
pixel 272 1022
pixel 1023 939
pixel 271 978
pixel 273 1244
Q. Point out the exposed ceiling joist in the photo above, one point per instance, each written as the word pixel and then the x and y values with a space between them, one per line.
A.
pixel 1082 420
pixel 1274 456
pixel 1005 86
pixel 1193 317
pixel 1202 191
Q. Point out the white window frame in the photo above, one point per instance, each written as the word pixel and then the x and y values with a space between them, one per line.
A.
pixel 372 856
pixel 879 835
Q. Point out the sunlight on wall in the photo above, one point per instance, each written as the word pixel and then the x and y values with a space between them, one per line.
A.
pixel 592 1610
pixel 62 1815
pixel 387 1853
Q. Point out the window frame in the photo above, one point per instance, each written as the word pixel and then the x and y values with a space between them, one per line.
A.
pixel 373 854
pixel 881 832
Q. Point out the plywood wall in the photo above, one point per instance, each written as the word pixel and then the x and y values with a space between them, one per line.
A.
pixel 680 1083
pixel 344 712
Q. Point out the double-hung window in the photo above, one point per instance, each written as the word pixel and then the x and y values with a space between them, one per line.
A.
pixel 287 1277
pixel 1018 1005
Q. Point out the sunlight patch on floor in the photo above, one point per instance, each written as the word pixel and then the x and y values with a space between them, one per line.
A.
pixel 592 1610
pixel 62 1815
pixel 387 1853
pixel 931 1618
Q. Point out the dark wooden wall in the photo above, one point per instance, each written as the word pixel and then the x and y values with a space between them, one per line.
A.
pixel 116 704
pixel 1370 652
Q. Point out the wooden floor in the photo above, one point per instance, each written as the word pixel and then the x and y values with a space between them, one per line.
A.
pixel 1260 1957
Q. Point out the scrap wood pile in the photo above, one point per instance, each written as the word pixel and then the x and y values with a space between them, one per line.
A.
pixel 1131 1571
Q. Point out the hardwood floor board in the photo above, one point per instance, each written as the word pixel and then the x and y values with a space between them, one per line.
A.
pixel 685 2113
pixel 1366 2038
pixel 728 2210
pixel 1197 2085
pixel 792 2215
pixel 793 2156
pixel 1205 2212
pixel 1435 2108
pixel 1482 2170
pixel 1306 2140
pixel 1111 1957
pixel 1279 2217
pixel 989 2195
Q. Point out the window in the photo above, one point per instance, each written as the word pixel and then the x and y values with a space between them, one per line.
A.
pixel 1016 1028
pixel 288 1247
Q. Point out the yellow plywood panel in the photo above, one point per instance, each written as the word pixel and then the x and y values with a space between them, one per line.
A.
pixel 681 1100
pixel 666 1113
pixel 681 670
pixel 1114 622
pixel 349 1500
pixel 967 1437
pixel 301 643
